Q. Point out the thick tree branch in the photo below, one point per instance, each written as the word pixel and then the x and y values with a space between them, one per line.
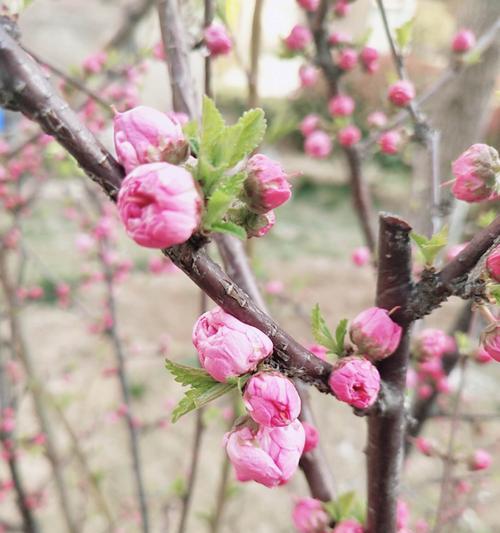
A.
pixel 386 430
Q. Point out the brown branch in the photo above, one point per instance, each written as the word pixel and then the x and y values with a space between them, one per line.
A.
pixel 386 430
pixel 255 45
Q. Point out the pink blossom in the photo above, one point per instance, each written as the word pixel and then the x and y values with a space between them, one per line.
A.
pixel 338 37
pixel 145 135
pixel 318 351
pixel 159 205
pixel 424 391
pixel 375 334
pixel 424 446
pixel 401 93
pixel 482 356
pixel 309 516
pixel 217 40
pixel 341 105
pixel 309 5
pixel 348 526
pixel 463 41
pixel 341 8
pixel 361 256
pixel 463 487
pixel 93 64
pixel 312 437
pixel 402 515
pixel 263 224
pixel 454 250
pixel 356 381
pixel 493 264
pixel 318 145
pixel 271 399
pixel 161 265
pixel 389 142
pixel 274 286
pixel 477 173
pixel 308 75
pixel 431 343
pixel 443 385
pixel 266 185
pixel 349 136
pixel 298 38
pixel 179 117
pixel 411 379
pixel 269 456
pixel 480 460
pixel 348 58
pixel 491 341
pixel 228 347
pixel 159 51
pixel 369 59
pixel 35 293
pixel 377 119
pixel 309 124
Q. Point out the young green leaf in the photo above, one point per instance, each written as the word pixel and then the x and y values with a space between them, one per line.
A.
pixel 212 129
pixel 346 506
pixel 403 34
pixel 340 334
pixel 320 330
pixel 431 247
pixel 217 206
pixel 230 228
pixel 494 292
pixel 241 139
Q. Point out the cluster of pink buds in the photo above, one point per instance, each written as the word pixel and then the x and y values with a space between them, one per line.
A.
pixel 477 174
pixel 267 446
pixel 431 345
pixel 158 202
pixel 217 40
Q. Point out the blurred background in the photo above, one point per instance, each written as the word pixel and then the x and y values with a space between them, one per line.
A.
pixel 90 297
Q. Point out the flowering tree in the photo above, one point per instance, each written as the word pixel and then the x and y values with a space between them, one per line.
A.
pixel 183 179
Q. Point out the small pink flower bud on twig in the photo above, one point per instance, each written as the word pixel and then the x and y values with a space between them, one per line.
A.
pixel 369 57
pixel 390 142
pixel 349 136
pixel 341 105
pixel 463 41
pixel 309 124
pixel 401 93
pixel 318 145
pixel 312 437
pixel 309 5
pixel 308 75
pixel 361 256
pixel 479 460
pixel 348 58
pixel 493 264
pixel 298 38
pixel 309 516
pixel 217 40
pixel 348 526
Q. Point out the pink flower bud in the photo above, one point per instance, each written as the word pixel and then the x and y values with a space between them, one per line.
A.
pixel 226 346
pixel 377 119
pixel 217 40
pixel 493 264
pixel 274 286
pixel 369 59
pixel 341 8
pixel 266 186
pixel 318 351
pixel 348 58
pixel 93 64
pixel 424 446
pixel 271 399
pixel 482 356
pixel 361 256
pixel 312 437
pixel 463 41
pixel 491 341
pixel 298 38
pixel 309 516
pixel 341 106
pixel 338 37
pixel 348 526
pixel 401 93
pixel 159 205
pixel 179 117
pixel 433 343
pixel 389 142
pixel 375 334
pixel 477 173
pixel 269 456
pixel 262 225
pixel 308 75
pixel 480 460
pixel 309 5
pixel 424 391
pixel 349 136
pixel 454 250
pixel 318 145
pixel 145 135
pixel 309 124
pixel 402 515
pixel 356 381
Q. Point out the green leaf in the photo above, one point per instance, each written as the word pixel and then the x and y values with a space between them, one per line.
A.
pixel 189 375
pixel 486 218
pixel 431 247
pixel 241 139
pixel 320 330
pixel 230 228
pixel 190 129
pixel 221 199
pixel 232 12
pixel 464 343
pixel 365 37
pixel 473 57
pixel 346 506
pixel 340 334
pixel 212 129
pixel 494 292
pixel 403 33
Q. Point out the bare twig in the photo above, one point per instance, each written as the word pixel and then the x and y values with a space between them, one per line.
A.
pixel 255 45
pixel 386 430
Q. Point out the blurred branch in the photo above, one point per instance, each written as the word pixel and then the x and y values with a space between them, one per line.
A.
pixel 386 430
pixel 255 47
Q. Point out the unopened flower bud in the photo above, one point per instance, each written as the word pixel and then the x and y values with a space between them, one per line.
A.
pixel 389 142
pixel 298 38
pixel 463 41
pixel 312 437
pixel 309 516
pixel 349 136
pixel 318 145
pixel 217 40
pixel 479 460
pixel 401 93
pixel 341 106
